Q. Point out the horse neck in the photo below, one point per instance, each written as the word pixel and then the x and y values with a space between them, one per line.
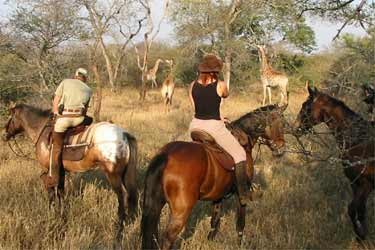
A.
pixel 336 119
pixel 342 124
pixel 250 127
pixel 33 128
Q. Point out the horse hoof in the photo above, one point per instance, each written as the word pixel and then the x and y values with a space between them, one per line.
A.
pixel 361 231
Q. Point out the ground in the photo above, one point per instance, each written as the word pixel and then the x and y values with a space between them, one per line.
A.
pixel 303 206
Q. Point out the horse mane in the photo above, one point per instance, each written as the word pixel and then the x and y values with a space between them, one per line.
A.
pixel 255 113
pixel 254 122
pixel 31 110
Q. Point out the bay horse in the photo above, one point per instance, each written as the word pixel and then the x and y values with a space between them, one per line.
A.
pixel 180 175
pixel 355 139
pixel 112 149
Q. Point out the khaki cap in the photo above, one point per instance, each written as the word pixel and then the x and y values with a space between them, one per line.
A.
pixel 81 71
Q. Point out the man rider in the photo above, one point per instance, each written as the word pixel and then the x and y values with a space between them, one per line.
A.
pixel 69 107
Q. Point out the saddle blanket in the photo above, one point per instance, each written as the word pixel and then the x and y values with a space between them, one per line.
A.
pixel 76 144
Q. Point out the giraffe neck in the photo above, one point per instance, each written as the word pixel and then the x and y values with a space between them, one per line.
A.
pixel 266 67
pixel 156 67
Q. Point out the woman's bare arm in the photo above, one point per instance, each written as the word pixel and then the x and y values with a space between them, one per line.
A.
pixel 222 89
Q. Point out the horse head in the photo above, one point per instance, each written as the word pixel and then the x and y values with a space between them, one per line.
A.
pixel 13 126
pixel 265 122
pixel 311 113
pixel 274 131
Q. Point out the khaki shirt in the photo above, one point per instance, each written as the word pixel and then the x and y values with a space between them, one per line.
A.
pixel 73 93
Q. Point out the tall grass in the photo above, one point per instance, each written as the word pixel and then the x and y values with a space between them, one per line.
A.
pixel 303 206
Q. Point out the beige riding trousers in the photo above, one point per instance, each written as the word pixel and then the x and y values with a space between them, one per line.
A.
pixel 223 137
pixel 63 123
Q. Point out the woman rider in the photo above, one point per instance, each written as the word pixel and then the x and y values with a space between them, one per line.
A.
pixel 205 95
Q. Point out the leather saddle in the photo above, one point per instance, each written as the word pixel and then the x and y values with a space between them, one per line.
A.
pixel 216 154
pixel 76 140
pixel 87 121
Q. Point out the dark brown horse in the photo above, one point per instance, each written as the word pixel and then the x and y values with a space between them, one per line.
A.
pixel 112 149
pixel 180 176
pixel 355 138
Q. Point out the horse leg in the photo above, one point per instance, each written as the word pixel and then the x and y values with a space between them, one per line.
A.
pixel 180 211
pixel 215 220
pixel 131 195
pixel 54 192
pixel 240 224
pixel 353 211
pixel 362 210
pixel 130 179
pixel 116 183
pixel 61 185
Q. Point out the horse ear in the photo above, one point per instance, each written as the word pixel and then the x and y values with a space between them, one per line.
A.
pixel 311 91
pixel 316 91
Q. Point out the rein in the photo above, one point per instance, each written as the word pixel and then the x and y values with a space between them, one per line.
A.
pixel 22 154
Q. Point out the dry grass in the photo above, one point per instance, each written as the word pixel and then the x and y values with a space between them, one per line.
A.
pixel 303 207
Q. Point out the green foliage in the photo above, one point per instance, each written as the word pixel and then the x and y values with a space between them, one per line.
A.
pixel 355 65
pixel 290 63
pixel 300 35
pixel 203 22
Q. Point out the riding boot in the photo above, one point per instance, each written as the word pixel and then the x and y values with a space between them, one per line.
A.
pixel 242 182
pixel 56 168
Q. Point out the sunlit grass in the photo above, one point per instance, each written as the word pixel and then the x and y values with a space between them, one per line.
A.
pixel 303 206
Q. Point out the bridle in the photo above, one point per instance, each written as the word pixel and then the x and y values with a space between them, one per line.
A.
pixel 20 153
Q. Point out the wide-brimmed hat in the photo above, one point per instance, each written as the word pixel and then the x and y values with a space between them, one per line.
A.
pixel 210 63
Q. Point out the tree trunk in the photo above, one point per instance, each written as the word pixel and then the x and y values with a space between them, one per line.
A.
pixel 143 89
pixel 228 54
pixel 98 96
pixel 108 65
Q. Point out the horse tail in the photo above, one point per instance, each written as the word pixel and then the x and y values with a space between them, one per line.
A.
pixel 130 176
pixel 153 201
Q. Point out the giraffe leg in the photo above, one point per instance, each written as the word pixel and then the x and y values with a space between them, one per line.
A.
pixel 269 94
pixel 284 95
pixel 264 94
pixel 154 83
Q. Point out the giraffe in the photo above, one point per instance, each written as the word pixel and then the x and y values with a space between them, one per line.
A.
pixel 271 78
pixel 167 88
pixel 151 73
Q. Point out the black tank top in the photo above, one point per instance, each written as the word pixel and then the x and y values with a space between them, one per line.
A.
pixel 206 101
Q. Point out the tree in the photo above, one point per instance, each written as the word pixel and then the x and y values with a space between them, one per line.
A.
pixel 40 27
pixel 109 16
pixel 346 12
pixel 227 26
pixel 148 38
pixel 355 65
